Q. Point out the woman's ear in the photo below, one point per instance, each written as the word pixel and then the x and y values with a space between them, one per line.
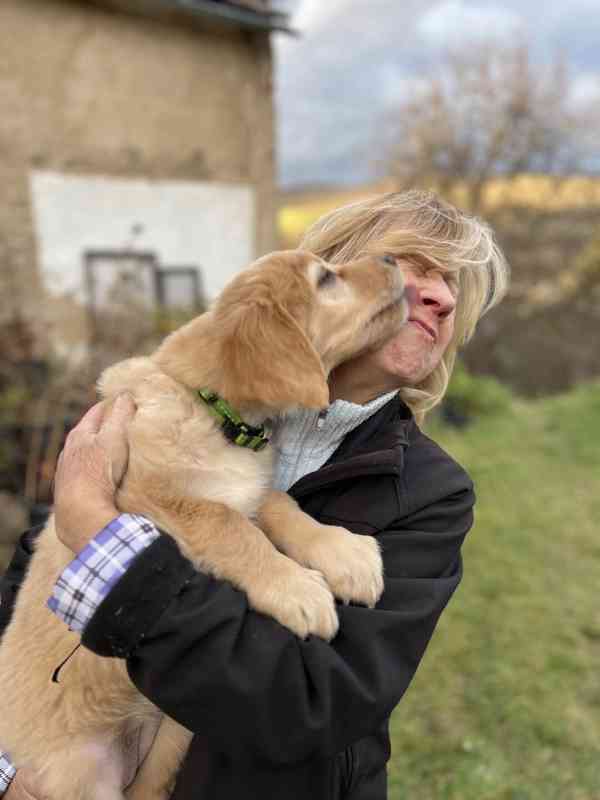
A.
pixel 267 360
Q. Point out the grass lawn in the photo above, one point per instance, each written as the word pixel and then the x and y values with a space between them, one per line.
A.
pixel 506 704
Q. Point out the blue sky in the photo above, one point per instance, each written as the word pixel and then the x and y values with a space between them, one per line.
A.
pixel 355 57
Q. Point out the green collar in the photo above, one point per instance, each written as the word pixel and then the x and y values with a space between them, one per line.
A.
pixel 233 427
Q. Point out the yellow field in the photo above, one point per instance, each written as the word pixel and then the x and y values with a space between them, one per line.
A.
pixel 299 210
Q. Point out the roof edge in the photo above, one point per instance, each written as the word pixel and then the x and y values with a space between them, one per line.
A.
pixel 236 15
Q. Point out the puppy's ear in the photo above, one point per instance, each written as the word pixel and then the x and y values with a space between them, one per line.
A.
pixel 268 360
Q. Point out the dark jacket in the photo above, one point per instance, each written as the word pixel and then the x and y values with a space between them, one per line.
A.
pixel 277 717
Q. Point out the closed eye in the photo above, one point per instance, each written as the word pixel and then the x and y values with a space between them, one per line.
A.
pixel 326 278
pixel 452 282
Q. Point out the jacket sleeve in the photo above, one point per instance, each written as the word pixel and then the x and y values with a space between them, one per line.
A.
pixel 12 579
pixel 197 651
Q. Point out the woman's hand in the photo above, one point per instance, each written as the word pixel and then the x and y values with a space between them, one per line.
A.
pixel 23 787
pixel 89 470
pixel 137 746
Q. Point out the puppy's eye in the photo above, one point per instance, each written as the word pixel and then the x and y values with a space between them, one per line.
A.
pixel 388 259
pixel 326 278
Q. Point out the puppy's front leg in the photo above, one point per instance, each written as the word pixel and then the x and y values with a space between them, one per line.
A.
pixel 351 563
pixel 221 541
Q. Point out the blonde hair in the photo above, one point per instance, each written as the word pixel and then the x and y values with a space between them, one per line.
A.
pixel 420 225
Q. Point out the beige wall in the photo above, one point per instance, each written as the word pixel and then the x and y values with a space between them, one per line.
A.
pixel 88 91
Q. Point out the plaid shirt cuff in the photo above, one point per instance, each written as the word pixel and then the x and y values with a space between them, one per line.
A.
pixel 7 772
pixel 87 580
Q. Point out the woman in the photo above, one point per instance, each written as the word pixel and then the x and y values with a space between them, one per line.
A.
pixel 274 716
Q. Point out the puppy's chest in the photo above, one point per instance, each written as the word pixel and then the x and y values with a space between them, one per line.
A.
pixel 237 477
pixel 177 449
pixel 227 473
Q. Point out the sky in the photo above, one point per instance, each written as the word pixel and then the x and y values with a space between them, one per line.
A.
pixel 355 58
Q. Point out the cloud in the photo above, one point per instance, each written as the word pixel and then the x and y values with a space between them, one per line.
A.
pixel 396 87
pixel 454 22
pixel 331 85
pixel 585 91
pixel 314 14
pixel 356 58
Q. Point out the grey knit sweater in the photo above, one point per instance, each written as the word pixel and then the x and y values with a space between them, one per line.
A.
pixel 304 440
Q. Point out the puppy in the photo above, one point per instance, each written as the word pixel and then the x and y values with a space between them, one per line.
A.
pixel 266 347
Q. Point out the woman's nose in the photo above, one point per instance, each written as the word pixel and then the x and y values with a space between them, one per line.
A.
pixel 436 292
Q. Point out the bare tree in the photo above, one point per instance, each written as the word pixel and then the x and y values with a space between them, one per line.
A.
pixel 488 112
pixel 473 127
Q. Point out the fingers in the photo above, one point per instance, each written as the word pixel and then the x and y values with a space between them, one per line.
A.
pixel 97 446
pixel 114 425
pixel 91 420
pixel 113 437
pixel 121 413
pixel 97 418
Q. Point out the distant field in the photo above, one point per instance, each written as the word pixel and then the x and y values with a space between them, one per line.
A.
pixel 299 209
pixel 506 705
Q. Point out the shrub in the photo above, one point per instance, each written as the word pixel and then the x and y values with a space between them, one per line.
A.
pixel 470 396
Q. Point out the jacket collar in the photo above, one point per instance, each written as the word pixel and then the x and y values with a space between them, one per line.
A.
pixel 375 447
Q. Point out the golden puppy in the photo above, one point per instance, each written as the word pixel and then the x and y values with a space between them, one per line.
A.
pixel 266 347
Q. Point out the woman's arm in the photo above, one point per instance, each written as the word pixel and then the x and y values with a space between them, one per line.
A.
pixel 200 654
pixel 14 575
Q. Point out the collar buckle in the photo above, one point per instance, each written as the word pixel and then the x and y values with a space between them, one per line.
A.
pixel 233 427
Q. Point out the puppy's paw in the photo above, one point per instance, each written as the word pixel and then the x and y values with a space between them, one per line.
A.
pixel 350 563
pixel 299 599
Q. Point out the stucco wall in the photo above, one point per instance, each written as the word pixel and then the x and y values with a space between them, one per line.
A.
pixel 181 222
pixel 90 92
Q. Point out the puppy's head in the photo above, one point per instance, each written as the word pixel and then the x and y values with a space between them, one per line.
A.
pixel 358 306
pixel 262 316
pixel 287 320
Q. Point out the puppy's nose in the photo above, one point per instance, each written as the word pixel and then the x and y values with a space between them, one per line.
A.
pixel 411 294
pixel 387 259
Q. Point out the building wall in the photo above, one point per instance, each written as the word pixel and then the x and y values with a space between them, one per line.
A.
pixel 206 225
pixel 93 93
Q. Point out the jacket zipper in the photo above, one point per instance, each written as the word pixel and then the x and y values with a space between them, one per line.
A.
pixel 349 755
pixel 321 418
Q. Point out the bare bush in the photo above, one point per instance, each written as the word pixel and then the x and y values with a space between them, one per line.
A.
pixel 487 112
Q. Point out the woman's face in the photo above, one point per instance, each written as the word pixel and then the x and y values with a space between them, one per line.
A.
pixel 417 349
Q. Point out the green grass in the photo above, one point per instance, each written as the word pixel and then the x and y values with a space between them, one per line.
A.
pixel 506 704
